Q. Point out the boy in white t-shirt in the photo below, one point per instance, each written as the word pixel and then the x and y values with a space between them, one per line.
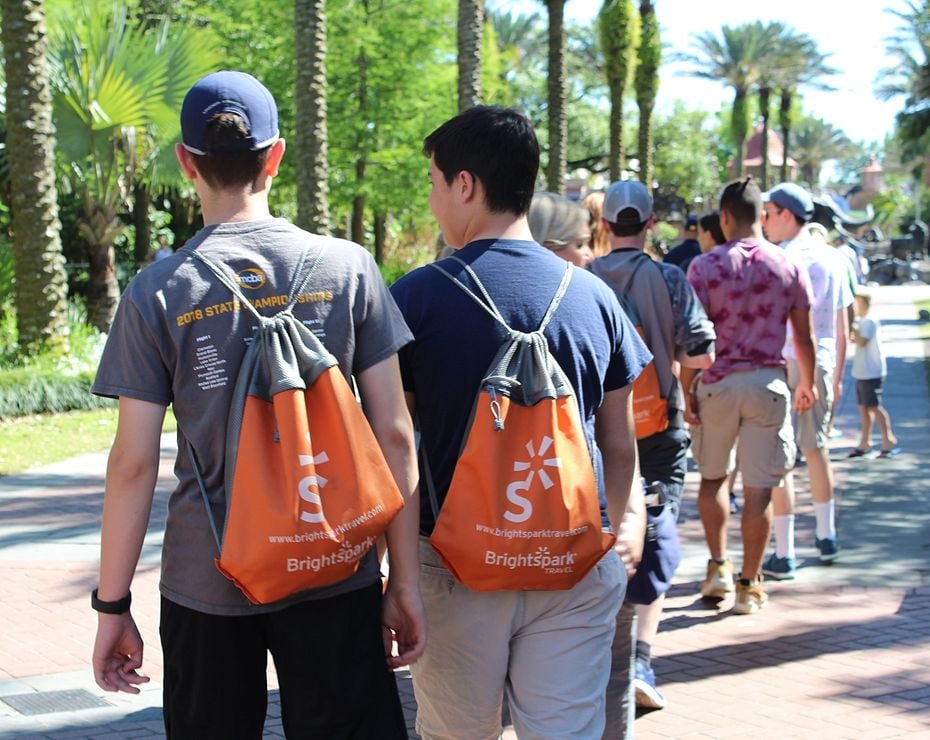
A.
pixel 869 370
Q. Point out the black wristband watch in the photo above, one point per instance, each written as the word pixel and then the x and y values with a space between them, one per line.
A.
pixel 110 607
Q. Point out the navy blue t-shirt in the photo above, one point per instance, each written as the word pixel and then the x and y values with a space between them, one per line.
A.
pixel 455 341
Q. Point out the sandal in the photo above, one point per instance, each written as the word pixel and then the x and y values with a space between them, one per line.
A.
pixel 856 452
pixel 890 453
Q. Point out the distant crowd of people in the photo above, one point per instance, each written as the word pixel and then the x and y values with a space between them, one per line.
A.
pixel 731 348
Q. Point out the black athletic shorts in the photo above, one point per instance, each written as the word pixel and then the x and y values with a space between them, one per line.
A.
pixel 664 457
pixel 328 654
pixel 869 392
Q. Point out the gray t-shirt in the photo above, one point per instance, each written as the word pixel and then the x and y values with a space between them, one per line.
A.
pixel 178 338
pixel 668 325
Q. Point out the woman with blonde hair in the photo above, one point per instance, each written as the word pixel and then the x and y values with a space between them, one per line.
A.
pixel 561 225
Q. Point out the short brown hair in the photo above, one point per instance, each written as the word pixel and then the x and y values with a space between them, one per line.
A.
pixel 229 169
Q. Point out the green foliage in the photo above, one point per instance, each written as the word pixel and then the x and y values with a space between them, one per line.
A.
pixel 392 78
pixel 49 382
pixel 686 163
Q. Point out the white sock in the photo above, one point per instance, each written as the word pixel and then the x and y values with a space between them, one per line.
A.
pixel 784 535
pixel 826 528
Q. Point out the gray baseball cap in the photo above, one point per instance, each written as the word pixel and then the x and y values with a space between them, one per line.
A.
pixel 623 195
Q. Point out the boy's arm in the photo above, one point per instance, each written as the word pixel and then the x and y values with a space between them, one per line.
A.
pixel 617 443
pixel 385 406
pixel 804 394
pixel 842 337
pixel 689 387
pixel 132 470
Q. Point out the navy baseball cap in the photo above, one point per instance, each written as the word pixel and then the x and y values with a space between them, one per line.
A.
pixel 793 197
pixel 228 91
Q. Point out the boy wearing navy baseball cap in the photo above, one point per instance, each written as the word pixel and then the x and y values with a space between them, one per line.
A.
pixel 178 339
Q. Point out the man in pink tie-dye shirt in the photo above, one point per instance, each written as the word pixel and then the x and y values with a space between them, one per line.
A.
pixel 750 291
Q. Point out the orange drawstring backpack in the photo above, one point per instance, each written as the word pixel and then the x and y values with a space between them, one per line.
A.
pixel 522 510
pixel 307 489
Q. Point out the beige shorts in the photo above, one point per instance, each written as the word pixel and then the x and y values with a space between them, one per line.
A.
pixel 751 408
pixel 810 428
pixel 549 651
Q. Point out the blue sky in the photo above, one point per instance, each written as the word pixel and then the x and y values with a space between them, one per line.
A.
pixel 853 34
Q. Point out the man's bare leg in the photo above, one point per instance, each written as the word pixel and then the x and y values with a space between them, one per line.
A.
pixel 714 510
pixel 756 527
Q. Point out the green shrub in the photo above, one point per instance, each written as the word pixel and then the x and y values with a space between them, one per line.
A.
pixel 35 390
pixel 50 382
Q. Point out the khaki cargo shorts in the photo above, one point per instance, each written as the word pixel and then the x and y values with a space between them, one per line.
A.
pixel 751 410
pixel 810 428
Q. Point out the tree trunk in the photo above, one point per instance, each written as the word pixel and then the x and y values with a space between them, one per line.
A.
pixel 617 22
pixel 764 93
pixel 100 226
pixel 380 237
pixel 784 119
pixel 358 205
pixel 470 26
pixel 357 224
pixel 647 86
pixel 41 290
pixel 310 103
pixel 140 218
pixel 557 96
pixel 739 122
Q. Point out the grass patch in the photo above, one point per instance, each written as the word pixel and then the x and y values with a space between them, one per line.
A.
pixel 29 441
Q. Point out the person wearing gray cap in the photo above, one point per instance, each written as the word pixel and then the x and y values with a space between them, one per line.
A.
pixel 179 340
pixel 662 303
pixel 786 208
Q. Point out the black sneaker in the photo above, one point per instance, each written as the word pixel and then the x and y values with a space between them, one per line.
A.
pixel 828 547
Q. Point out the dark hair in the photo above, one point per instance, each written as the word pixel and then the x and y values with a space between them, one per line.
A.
pixel 227 167
pixel 742 199
pixel 710 222
pixel 497 146
pixel 627 223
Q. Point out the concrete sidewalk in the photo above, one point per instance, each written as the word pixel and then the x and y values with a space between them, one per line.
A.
pixel 842 651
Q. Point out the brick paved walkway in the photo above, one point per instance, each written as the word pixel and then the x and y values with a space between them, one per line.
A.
pixel 843 651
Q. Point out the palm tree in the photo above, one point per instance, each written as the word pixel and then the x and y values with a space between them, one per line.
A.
pixel 521 48
pixel 647 85
pixel 735 59
pixel 799 63
pixel 619 30
pixel 910 47
pixel 818 141
pixel 470 23
pixel 557 95
pixel 310 104
pixel 909 77
pixel 116 93
pixel 771 61
pixel 41 287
